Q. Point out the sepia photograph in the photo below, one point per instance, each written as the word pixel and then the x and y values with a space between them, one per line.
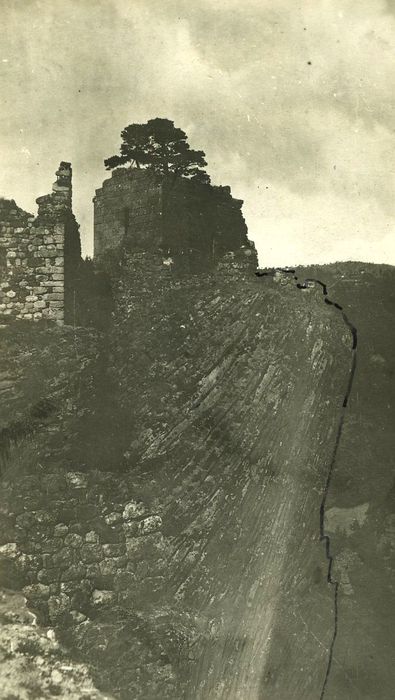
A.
pixel 197 349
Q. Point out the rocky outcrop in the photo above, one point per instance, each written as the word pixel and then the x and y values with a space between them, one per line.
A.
pixel 179 549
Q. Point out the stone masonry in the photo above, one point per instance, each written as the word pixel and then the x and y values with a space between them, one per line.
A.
pixel 136 209
pixel 39 255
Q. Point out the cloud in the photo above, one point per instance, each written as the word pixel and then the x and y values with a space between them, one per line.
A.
pixel 293 105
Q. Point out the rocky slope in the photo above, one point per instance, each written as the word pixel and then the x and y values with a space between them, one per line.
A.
pixel 360 507
pixel 33 663
pixel 165 504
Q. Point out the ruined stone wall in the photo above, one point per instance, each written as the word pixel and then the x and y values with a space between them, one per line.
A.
pixel 201 218
pixel 137 209
pixel 39 256
pixel 128 202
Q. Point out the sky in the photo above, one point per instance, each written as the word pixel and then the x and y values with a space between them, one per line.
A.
pixel 292 102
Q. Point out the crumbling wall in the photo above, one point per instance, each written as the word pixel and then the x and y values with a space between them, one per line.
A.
pixel 130 202
pixel 201 219
pixel 39 256
pixel 138 209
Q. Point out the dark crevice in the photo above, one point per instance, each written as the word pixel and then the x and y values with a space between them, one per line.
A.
pixel 308 283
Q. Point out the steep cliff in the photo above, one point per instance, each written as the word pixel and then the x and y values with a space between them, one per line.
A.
pixel 166 505
pixel 360 508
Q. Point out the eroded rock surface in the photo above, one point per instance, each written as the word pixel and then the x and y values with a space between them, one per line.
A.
pixel 165 519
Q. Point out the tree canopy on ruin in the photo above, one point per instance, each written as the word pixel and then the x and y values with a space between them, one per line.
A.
pixel 162 147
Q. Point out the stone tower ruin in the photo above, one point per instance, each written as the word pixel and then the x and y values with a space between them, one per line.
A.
pixel 39 256
pixel 137 209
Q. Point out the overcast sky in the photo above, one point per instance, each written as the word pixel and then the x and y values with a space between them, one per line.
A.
pixel 293 103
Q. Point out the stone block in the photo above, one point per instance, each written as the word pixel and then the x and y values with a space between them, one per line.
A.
pixel 60 530
pixel 58 606
pixel 49 313
pixel 10 550
pixel 77 480
pixel 150 524
pixel 130 528
pixel 109 567
pixel 36 593
pixel 46 248
pixel 124 580
pixel 73 540
pixel 41 279
pixel 53 296
pixel 75 572
pixel 112 518
pixel 92 537
pixel 63 558
pixel 48 576
pixel 77 617
pixel 133 509
pixel 91 553
pixel 113 550
pixel 92 570
pixel 102 598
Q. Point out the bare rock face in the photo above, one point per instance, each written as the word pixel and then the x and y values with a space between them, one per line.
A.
pixel 165 511
pixel 174 538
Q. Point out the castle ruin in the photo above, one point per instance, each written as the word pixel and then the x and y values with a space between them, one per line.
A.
pixel 39 256
pixel 137 209
pixel 190 226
